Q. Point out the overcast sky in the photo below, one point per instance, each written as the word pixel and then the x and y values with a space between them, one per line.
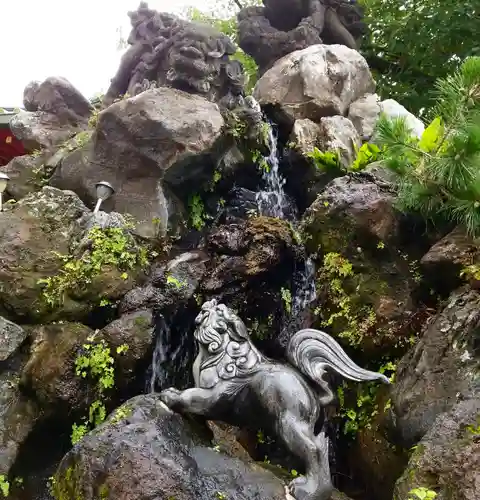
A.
pixel 77 40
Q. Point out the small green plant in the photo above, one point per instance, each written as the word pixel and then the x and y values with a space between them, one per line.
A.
pixel 97 364
pixel 4 486
pixel 360 414
pixel 352 318
pixel 198 217
pixel 176 283
pixel 325 160
pixel 471 272
pixel 221 496
pixel 421 493
pixel 121 413
pixel 366 154
pixel 109 247
pixel 474 429
pixel 287 299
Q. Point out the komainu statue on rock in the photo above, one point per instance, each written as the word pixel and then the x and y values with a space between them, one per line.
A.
pixel 168 51
pixel 283 26
pixel 237 384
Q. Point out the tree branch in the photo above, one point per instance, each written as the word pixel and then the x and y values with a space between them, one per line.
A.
pixel 240 6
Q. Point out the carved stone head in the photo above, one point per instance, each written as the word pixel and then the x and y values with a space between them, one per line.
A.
pixel 169 51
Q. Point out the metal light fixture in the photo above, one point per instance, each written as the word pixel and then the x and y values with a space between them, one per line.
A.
pixel 104 191
pixel 3 185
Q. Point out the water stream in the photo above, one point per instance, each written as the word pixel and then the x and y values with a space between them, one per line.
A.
pixel 272 201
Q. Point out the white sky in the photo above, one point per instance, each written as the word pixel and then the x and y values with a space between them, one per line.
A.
pixel 74 39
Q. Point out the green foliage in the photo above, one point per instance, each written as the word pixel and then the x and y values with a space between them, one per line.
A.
pixel 345 309
pixel 325 160
pixel 287 299
pixel 474 429
pixel 97 364
pixel 359 413
pixel 198 217
pixel 421 493
pixel 439 174
pixel 330 160
pixel 366 154
pixel 224 19
pixel 176 283
pixel 399 48
pixel 109 247
pixel 4 486
pixel 471 272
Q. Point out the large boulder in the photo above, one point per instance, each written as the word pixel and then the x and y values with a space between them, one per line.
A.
pixel 321 80
pixel 56 95
pixel 25 174
pixel 280 27
pixel 354 218
pixel 37 236
pixel 447 459
pixel 30 232
pixel 445 260
pixel 144 450
pixel 50 372
pixel 55 111
pixel 440 370
pixel 160 138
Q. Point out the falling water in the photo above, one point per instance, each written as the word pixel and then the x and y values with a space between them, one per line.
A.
pixel 170 358
pixel 306 290
pixel 272 201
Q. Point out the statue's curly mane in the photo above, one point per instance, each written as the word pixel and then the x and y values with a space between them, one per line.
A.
pixel 226 339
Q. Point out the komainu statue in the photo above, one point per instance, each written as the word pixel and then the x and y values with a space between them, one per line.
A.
pixel 168 51
pixel 237 384
pixel 283 26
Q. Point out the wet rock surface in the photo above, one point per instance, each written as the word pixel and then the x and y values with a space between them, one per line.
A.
pixel 440 370
pixel 165 454
pixel 447 459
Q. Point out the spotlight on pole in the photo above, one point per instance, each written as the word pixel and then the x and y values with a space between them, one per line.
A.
pixel 3 185
pixel 104 191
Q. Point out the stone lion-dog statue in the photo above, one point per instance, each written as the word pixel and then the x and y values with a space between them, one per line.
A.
pixel 237 384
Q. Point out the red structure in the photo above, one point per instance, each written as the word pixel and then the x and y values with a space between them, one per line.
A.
pixel 10 146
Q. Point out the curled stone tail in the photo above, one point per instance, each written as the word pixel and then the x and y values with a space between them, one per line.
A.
pixel 312 351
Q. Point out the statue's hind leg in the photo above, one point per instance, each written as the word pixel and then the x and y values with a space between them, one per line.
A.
pixel 313 450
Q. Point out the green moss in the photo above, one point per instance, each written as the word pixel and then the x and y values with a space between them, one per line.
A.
pixel 67 486
pixel 142 322
pixel 103 491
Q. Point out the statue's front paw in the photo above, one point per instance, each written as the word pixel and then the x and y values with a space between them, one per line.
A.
pixel 170 396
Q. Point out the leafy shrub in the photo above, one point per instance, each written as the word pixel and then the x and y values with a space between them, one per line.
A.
pixel 439 174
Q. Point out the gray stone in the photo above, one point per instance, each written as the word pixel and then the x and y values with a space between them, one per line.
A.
pixel 447 459
pixel 160 138
pixel 144 450
pixel 55 112
pixel 25 174
pixel 321 80
pixel 364 113
pixel 12 337
pixel 57 96
pixel 337 133
pixel 440 370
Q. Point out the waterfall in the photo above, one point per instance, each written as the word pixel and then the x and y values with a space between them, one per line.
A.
pixel 171 358
pixel 306 290
pixel 272 201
